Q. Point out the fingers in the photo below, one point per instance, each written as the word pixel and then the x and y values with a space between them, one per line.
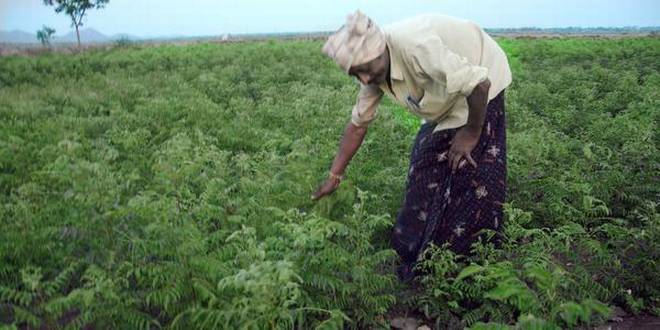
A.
pixel 316 195
pixel 450 159
pixel 319 193
pixel 457 160
pixel 327 188
pixel 469 158
pixel 454 159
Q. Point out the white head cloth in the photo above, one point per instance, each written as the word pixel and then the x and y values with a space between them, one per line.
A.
pixel 357 42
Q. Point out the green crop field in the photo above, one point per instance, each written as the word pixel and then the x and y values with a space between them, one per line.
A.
pixel 169 187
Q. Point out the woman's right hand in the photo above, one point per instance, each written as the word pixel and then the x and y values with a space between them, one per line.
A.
pixel 328 187
pixel 350 142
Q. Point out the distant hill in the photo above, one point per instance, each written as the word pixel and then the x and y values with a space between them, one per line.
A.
pixel 93 36
pixel 17 36
pixel 86 36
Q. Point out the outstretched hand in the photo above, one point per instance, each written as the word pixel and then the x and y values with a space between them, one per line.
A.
pixel 462 145
pixel 327 188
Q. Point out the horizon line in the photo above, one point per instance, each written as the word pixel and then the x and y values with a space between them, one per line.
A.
pixel 631 27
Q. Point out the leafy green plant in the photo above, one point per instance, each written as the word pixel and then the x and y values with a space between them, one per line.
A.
pixel 171 188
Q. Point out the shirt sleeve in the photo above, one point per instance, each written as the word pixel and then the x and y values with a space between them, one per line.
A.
pixel 366 106
pixel 436 64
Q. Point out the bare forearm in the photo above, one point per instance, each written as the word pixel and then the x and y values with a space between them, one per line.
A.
pixel 478 102
pixel 350 143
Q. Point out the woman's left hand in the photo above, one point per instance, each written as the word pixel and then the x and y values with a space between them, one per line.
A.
pixel 464 141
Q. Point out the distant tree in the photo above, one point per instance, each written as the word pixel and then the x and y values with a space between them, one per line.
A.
pixel 45 34
pixel 76 10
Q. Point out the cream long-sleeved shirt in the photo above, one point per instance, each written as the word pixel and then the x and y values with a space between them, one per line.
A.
pixel 435 63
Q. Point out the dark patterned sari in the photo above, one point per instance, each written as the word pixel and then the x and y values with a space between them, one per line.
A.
pixel 443 208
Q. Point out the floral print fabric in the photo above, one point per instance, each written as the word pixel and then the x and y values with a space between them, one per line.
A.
pixel 443 207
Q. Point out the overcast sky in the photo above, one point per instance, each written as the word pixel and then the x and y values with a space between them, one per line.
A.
pixel 149 18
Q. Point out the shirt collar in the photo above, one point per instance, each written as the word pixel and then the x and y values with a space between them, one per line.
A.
pixel 395 62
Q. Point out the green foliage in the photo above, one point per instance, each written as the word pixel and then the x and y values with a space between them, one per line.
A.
pixel 170 188
pixel 45 34
pixel 124 42
pixel 522 278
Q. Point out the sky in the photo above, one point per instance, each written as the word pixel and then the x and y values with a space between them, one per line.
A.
pixel 152 18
